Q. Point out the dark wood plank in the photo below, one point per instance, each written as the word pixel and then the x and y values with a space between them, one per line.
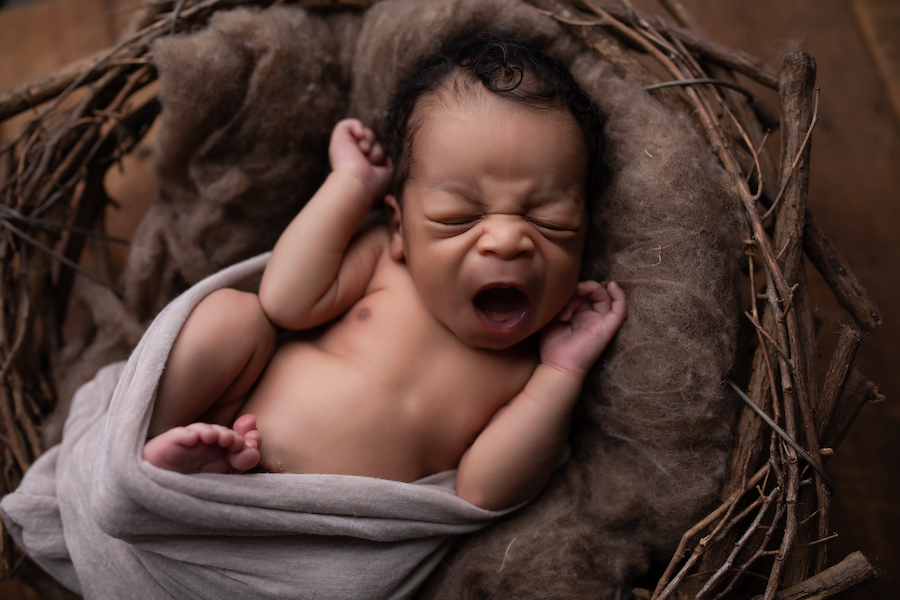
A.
pixel 879 23
pixel 40 37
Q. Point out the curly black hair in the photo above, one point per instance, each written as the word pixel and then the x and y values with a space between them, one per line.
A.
pixel 505 65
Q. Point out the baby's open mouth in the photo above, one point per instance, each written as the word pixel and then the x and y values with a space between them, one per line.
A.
pixel 502 305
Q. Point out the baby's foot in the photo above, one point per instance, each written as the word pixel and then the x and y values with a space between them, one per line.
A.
pixel 206 448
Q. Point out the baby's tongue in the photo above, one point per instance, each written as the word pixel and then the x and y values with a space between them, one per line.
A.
pixel 501 304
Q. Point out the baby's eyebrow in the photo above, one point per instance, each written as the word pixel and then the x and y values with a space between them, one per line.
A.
pixel 558 198
pixel 464 192
pixel 472 196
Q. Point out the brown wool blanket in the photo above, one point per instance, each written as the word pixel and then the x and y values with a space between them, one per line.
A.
pixel 107 524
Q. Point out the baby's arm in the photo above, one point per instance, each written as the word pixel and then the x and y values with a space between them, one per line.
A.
pixel 318 268
pixel 512 459
pixel 229 337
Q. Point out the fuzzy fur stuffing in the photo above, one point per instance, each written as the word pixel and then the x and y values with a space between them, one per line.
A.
pixel 248 105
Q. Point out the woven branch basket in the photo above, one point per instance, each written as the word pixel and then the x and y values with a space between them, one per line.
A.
pixel 773 517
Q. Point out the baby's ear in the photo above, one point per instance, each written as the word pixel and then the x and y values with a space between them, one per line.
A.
pixel 395 222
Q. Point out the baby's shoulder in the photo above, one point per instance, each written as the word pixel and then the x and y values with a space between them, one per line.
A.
pixel 388 273
pixel 371 244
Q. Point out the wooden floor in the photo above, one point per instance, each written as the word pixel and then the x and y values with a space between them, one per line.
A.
pixel 854 195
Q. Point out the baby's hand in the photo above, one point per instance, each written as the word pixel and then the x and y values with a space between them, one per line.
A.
pixel 581 331
pixel 206 448
pixel 353 146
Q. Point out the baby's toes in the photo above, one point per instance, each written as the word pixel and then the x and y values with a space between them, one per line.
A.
pixel 199 433
pixel 252 439
pixel 228 439
pixel 245 424
pixel 244 460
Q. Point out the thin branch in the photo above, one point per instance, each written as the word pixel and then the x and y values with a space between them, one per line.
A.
pixel 50 225
pixel 797 157
pixel 56 255
pixel 784 435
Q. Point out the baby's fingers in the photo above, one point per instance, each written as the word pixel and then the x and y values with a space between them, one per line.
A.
pixel 357 132
pixel 575 303
pixel 373 149
pixel 604 298
pixel 376 154
pixel 617 296
pixel 356 128
pixel 583 298
pixel 367 141
pixel 588 288
pixel 610 306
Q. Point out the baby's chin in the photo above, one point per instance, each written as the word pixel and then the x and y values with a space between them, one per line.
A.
pixel 488 339
pixel 500 345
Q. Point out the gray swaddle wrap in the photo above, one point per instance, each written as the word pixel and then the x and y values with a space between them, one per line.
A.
pixel 107 524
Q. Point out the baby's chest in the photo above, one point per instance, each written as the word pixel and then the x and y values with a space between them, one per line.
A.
pixel 389 326
pixel 393 407
pixel 327 414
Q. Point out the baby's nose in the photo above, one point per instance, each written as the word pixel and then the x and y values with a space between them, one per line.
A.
pixel 505 236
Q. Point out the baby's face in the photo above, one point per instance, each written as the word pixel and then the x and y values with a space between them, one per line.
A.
pixel 493 218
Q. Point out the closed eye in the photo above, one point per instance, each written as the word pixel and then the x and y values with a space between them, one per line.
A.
pixel 457 222
pixel 554 226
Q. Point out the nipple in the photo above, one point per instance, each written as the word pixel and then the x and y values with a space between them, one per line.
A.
pixel 363 314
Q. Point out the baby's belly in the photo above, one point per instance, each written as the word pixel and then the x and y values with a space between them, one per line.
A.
pixel 318 412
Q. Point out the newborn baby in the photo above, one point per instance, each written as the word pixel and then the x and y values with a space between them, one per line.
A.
pixel 456 336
